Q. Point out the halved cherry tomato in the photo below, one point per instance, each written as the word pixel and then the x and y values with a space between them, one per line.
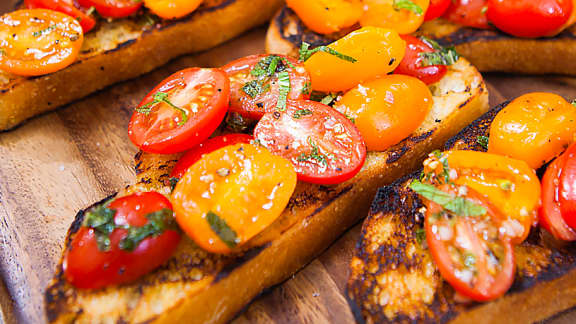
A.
pixel 327 16
pixel 251 73
pixel 529 18
pixel 377 51
pixel 412 64
pixel 209 146
pixel 535 127
pixel 405 19
pixel 231 195
pixel 387 110
pixel 38 41
pixel 181 112
pixel 471 13
pixel 437 8
pixel 121 242
pixel 551 217
pixel 172 9
pixel 324 146
pixel 65 6
pixel 469 251
pixel 567 186
pixel 509 184
pixel 113 8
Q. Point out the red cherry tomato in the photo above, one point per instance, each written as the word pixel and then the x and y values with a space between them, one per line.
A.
pixel 324 146
pixel 437 8
pixel 470 253
pixel 550 214
pixel 529 18
pixel 209 146
pixel 88 266
pixel 567 186
pixel 471 13
pixel 252 70
pixel 412 62
pixel 113 8
pixel 64 6
pixel 181 112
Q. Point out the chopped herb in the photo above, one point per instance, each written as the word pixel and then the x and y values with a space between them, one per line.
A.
pixel 350 118
pixel 483 141
pixel 505 184
pixel 408 5
pixel 163 97
pixel 90 11
pixel 574 102
pixel 223 172
pixel 469 260
pixel 255 88
pixel 2 52
pixel 173 182
pixel 484 10
pixel 301 113
pixel 283 90
pixel 306 53
pixel 221 228
pixel 307 90
pixel 101 219
pixel 315 155
pixel 440 56
pixel 44 31
pixel 327 100
pixel 420 235
pixel 148 19
pixel 264 71
pixel 158 222
pixel 457 205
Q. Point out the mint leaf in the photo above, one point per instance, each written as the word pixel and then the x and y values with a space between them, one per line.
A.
pixel 457 205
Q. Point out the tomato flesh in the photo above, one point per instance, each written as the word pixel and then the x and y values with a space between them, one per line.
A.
pixel 470 13
pixel 172 9
pixel 113 8
pixel 437 8
pixel 194 103
pixel 412 64
pixel 242 73
pixel 387 14
pixel 64 6
pixel 324 146
pixel 86 266
pixel 209 146
pixel 567 187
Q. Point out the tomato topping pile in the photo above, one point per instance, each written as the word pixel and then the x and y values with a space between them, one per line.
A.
pixel 436 9
pixel 113 8
pixel 65 6
pixel 425 59
pixel 121 240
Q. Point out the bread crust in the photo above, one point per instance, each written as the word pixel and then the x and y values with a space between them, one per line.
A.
pixel 124 49
pixel 199 287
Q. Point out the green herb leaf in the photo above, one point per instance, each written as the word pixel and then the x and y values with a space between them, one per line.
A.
pixel 408 5
pixel 283 90
pixel 301 113
pixel 315 155
pixel 101 219
pixel 255 88
pixel 329 98
pixel 420 235
pixel 457 205
pixel 221 228
pixel 236 123
pixel 440 56
pixel 44 31
pixel 307 90
pixel 160 97
pixel 306 53
pixel 158 222
pixel 469 260
pixel 173 182
pixel 483 141
pixel 574 102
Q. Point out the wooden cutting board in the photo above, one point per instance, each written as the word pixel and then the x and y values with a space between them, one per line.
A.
pixel 59 163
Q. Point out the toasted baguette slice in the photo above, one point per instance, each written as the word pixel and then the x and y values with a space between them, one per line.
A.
pixel 198 287
pixel 488 50
pixel 124 49
pixel 394 279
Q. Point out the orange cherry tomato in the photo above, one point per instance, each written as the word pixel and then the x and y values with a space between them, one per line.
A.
pixel 535 127
pixel 470 13
pixel 38 41
pixel 172 9
pixel 327 16
pixel 509 184
pixel 405 19
pixel 387 110
pixel 377 51
pixel 232 194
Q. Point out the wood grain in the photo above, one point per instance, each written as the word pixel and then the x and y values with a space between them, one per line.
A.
pixel 62 162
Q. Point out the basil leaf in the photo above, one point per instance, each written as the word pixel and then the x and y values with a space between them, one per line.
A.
pixel 101 219
pixel 483 141
pixel 457 205
pixel 158 222
pixel 283 90
pixel 301 113
pixel 221 228
pixel 306 53
pixel 160 97
pixel 408 5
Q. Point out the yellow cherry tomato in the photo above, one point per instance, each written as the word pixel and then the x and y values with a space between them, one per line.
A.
pixel 377 51
pixel 172 9
pixel 388 109
pixel 327 16
pixel 535 127
pixel 232 194
pixel 405 17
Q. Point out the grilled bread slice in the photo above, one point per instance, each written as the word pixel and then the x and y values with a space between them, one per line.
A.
pixel 488 50
pixel 394 279
pixel 195 286
pixel 126 48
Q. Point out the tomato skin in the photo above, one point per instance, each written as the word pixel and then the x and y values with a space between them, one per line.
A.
pixel 254 108
pixel 470 13
pixel 378 51
pixel 327 16
pixel 172 9
pixel 387 110
pixel 203 93
pixel 38 41
pixel 412 62
pixel 567 186
pixel 208 146
pixel 341 150
pixel 65 6
pixel 529 18
pixel 113 8
pixel 86 267
pixel 437 8
pixel 384 13
pixel 486 286
pixel 550 214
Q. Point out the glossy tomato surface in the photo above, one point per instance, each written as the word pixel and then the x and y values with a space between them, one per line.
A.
pixel 65 6
pixel 327 17
pixel 402 16
pixel 113 8
pixel 567 186
pixel 437 8
pixel 88 266
pixel 470 13
pixel 172 9
pixel 413 62
pixel 324 146
pixel 181 112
